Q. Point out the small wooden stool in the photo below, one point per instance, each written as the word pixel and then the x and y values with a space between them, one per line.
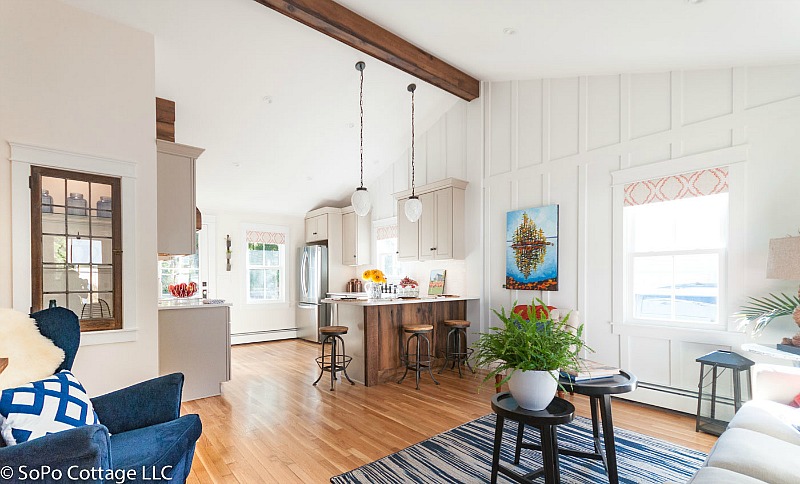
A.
pixel 456 355
pixel 418 332
pixel 334 361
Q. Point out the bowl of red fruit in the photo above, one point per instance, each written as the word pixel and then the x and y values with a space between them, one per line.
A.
pixel 183 289
pixel 409 288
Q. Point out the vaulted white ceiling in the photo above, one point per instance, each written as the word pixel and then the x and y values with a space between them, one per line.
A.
pixel 275 103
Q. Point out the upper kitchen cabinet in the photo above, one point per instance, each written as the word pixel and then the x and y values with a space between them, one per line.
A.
pixel 439 233
pixel 176 198
pixel 317 228
pixel 355 238
pixel 408 242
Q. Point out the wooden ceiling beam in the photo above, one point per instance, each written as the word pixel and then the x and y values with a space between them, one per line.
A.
pixel 346 26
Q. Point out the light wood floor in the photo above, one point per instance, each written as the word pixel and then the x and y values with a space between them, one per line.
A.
pixel 271 425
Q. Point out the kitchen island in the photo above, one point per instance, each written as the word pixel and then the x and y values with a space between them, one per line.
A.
pixel 375 338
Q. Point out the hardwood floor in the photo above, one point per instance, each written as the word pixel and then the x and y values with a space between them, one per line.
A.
pixel 272 425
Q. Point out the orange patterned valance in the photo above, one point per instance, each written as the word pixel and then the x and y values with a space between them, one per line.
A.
pixel 387 232
pixel 257 237
pixel 686 185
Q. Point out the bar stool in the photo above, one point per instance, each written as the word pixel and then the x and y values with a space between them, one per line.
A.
pixel 334 361
pixel 418 332
pixel 458 328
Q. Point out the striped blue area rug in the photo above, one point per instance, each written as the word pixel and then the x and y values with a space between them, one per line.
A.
pixel 464 455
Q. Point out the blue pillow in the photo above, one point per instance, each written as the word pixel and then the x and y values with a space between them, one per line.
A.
pixel 44 407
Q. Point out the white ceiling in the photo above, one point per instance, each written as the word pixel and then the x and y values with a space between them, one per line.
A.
pixel 218 59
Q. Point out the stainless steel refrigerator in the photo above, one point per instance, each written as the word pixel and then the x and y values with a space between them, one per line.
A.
pixel 311 314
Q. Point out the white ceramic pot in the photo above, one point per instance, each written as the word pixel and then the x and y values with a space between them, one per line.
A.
pixel 533 390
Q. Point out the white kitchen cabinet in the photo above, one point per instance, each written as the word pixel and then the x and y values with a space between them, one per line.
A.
pixel 195 339
pixel 176 209
pixel 317 228
pixel 407 234
pixel 355 238
pixel 439 233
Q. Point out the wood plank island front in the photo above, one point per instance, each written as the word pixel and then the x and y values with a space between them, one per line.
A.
pixel 375 336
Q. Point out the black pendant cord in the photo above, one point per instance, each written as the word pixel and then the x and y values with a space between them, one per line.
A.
pixel 361 105
pixel 412 88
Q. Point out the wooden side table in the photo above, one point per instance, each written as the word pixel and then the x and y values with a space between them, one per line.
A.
pixel 3 364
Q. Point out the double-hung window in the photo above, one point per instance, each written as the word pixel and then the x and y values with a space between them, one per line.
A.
pixel 675 244
pixel 386 250
pixel 266 266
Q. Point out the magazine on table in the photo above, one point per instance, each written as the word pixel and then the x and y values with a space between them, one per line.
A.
pixel 591 370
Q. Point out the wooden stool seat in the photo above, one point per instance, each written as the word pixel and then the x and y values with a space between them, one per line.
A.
pixel 418 328
pixel 457 323
pixel 333 330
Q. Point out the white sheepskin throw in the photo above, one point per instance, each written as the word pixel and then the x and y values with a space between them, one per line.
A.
pixel 31 356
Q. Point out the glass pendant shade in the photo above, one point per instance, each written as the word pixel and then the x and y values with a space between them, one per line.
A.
pixel 413 209
pixel 361 202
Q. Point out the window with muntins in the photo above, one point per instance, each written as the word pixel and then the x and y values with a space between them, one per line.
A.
pixel 76 245
pixel 386 250
pixel 266 266
pixel 675 243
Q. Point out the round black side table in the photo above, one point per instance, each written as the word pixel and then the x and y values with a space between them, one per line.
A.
pixel 558 412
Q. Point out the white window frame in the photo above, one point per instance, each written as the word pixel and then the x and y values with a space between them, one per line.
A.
pixel 377 224
pixel 284 272
pixel 722 261
pixel 732 270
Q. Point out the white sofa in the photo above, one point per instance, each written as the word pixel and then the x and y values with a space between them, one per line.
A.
pixel 762 442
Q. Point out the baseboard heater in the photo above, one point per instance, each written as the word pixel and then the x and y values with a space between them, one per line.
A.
pixel 258 336
pixel 685 393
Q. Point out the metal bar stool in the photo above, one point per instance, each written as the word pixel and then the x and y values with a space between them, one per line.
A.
pixel 334 361
pixel 418 332
pixel 456 355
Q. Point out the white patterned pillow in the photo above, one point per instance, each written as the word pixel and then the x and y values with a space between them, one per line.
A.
pixel 44 407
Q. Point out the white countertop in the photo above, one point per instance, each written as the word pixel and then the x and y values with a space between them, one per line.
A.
pixel 386 302
pixel 188 304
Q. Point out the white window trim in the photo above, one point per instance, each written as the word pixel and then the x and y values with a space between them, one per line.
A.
pixel 285 283
pixel 23 156
pixel 376 224
pixel 732 275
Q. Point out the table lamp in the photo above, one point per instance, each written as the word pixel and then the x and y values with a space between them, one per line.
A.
pixel 784 263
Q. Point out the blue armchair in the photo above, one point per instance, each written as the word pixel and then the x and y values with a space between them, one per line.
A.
pixel 141 434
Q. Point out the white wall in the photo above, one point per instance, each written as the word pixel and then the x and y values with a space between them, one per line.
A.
pixel 79 83
pixel 559 141
pixel 255 322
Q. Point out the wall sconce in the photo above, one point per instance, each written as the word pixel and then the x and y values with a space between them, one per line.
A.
pixel 228 252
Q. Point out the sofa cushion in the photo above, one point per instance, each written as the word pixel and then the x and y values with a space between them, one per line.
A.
pixel 756 455
pixel 717 475
pixel 156 446
pixel 44 407
pixel 769 418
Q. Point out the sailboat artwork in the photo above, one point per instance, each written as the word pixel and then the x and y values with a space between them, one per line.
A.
pixel 532 249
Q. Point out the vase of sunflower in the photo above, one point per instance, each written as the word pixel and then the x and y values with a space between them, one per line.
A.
pixel 374 278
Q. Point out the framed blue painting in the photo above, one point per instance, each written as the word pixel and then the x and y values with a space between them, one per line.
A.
pixel 532 249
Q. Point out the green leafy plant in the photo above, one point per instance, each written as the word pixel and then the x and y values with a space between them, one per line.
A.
pixel 539 343
pixel 761 311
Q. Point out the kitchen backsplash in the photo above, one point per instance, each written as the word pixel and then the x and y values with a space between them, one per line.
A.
pixel 455 278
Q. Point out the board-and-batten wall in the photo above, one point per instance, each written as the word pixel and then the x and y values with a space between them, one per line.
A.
pixel 560 140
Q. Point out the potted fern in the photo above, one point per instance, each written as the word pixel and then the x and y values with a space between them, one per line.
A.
pixel 530 352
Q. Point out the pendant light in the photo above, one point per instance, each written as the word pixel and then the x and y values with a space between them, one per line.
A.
pixel 360 199
pixel 413 207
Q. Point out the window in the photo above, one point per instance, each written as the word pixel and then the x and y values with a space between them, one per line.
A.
pixel 76 245
pixel 266 266
pixel 386 250
pixel 180 269
pixel 676 232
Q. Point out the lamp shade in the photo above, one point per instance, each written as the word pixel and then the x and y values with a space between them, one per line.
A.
pixel 784 259
pixel 361 202
pixel 413 209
